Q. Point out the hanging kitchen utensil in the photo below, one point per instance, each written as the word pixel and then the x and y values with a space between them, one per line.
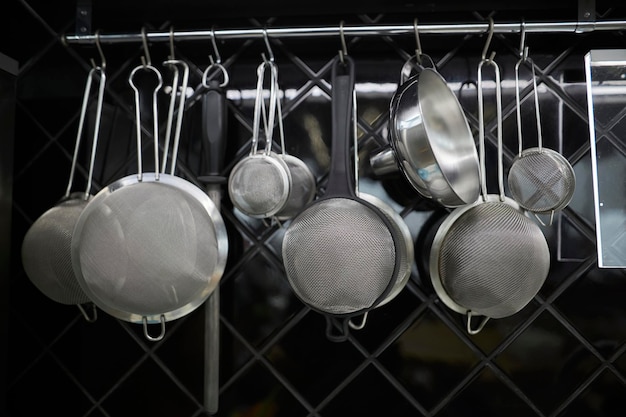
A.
pixel 340 253
pixel 302 189
pixel 405 248
pixel 541 180
pixel 429 138
pixel 46 249
pixel 259 184
pixel 150 247
pixel 214 134
pixel 488 259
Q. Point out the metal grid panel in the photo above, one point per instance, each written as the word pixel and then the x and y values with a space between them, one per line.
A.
pixel 560 356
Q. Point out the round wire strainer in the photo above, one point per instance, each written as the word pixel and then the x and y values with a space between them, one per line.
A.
pixel 259 184
pixel 488 258
pixel 149 247
pixel 340 253
pixel 541 180
pixel 46 249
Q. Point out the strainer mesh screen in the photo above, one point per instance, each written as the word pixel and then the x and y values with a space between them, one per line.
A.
pixel 257 185
pixel 339 256
pixel 540 182
pixel 47 253
pixel 493 260
pixel 147 249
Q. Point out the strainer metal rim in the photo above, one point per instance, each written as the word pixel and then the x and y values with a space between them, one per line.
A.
pixel 563 162
pixel 435 249
pixel 294 160
pixel 284 174
pixel 220 237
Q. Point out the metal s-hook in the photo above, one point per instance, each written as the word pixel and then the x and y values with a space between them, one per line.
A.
pixel 344 48
pixel 145 59
pixel 218 58
pixel 488 42
pixel 214 64
pixel 172 55
pixel 103 61
pixel 418 48
pixel 270 53
pixel 523 49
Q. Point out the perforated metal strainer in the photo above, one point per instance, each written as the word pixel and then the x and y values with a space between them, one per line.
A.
pixel 541 180
pixel 46 249
pixel 488 258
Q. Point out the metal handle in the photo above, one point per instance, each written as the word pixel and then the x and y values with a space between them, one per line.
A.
pixel 81 124
pixel 180 111
pixel 259 108
pixel 155 121
pixel 519 105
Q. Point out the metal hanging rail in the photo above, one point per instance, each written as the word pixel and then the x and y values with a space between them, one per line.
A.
pixel 356 30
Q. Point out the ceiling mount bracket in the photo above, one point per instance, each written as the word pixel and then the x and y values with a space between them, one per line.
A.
pixel 586 16
pixel 83 17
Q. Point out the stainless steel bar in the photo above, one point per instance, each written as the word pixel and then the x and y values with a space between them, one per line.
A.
pixel 357 30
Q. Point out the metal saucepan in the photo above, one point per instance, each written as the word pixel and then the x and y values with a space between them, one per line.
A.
pixel 150 247
pixel 430 139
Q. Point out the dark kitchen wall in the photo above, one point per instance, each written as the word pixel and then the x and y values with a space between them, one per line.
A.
pixel 562 355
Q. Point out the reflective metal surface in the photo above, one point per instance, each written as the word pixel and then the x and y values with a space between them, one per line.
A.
pixel 563 355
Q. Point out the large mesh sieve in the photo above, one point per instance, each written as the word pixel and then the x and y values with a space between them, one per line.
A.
pixel 46 252
pixel 492 259
pixel 488 258
pixel 338 255
pixel 46 248
pixel 147 249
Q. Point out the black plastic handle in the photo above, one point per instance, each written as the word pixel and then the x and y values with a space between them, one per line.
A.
pixel 214 130
pixel 340 177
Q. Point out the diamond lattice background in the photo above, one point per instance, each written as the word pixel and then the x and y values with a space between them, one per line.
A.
pixel 562 355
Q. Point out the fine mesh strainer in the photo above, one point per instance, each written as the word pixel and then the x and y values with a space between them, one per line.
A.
pixel 541 180
pixel 487 258
pixel 150 247
pixel 340 253
pixel 46 249
pixel 259 184
pixel 302 189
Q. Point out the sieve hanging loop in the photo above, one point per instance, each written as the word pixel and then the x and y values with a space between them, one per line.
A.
pixel 151 338
pixel 470 314
pixel 88 318
pixel 155 121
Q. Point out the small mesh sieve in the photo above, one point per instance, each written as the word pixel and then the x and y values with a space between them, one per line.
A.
pixel 541 180
pixel 259 184
pixel 46 249
pixel 487 258
pixel 340 253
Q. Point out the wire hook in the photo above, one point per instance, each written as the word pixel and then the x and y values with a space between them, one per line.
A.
pixel 523 49
pixel 344 48
pixel 418 49
pixel 172 54
pixel 145 60
pixel 218 58
pixel 489 36
pixel 268 46
pixel 103 61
